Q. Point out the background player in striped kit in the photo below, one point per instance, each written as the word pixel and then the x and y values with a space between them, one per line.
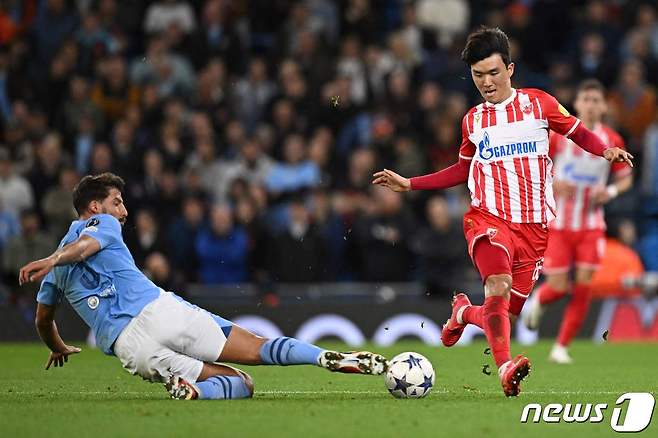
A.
pixel 577 236
pixel 504 157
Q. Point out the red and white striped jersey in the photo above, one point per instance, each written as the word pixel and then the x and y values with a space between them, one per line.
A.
pixel 511 172
pixel 587 173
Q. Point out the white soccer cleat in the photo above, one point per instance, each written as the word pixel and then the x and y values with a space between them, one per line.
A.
pixel 360 362
pixel 533 316
pixel 180 389
pixel 560 354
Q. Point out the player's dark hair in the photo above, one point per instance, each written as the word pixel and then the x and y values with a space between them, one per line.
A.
pixel 95 188
pixel 485 42
pixel 590 84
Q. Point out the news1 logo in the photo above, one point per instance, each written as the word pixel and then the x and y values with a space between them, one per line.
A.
pixel 638 412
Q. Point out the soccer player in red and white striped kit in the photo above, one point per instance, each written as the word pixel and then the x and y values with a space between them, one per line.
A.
pixel 576 238
pixel 504 157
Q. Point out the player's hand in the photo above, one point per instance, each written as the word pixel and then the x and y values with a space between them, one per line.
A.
pixel 59 357
pixel 392 180
pixel 617 154
pixel 35 271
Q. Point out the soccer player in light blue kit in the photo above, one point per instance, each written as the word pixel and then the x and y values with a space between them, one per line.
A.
pixel 154 333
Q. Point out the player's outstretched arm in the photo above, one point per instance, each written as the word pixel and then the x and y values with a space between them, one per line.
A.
pixel 47 329
pixel 84 247
pixel 392 180
pixel 443 179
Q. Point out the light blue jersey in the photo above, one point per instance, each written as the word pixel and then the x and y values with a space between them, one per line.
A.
pixel 107 290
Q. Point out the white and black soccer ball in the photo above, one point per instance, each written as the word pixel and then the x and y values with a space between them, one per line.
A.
pixel 409 375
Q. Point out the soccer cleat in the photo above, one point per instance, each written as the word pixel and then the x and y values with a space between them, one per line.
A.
pixel 452 330
pixel 512 373
pixel 180 389
pixel 360 362
pixel 560 354
pixel 533 315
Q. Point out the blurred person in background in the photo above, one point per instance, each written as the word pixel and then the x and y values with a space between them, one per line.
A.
pixel 15 190
pixel 381 238
pixel 32 243
pixel 56 203
pixel 441 250
pixel 298 253
pixel 632 102
pixel 576 238
pixel 182 234
pixel 222 249
pixel 146 236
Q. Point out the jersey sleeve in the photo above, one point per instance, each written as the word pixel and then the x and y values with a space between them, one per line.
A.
pixel 49 293
pixel 559 119
pixel 105 228
pixel 467 148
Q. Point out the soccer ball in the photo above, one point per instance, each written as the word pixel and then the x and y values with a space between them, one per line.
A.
pixel 409 375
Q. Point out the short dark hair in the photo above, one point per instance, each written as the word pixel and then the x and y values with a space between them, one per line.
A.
pixel 483 43
pixel 95 188
pixel 590 84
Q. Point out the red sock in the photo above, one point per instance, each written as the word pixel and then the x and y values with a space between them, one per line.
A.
pixel 473 315
pixel 575 313
pixel 497 327
pixel 548 295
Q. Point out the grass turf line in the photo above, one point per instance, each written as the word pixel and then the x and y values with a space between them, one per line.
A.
pixel 93 395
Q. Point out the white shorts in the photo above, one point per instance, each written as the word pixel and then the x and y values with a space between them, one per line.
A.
pixel 171 336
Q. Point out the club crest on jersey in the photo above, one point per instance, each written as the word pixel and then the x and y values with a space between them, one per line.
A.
pixel 491 232
pixel 526 107
pixel 488 152
pixel 93 302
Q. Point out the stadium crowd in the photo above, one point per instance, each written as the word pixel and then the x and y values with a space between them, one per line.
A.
pixel 248 130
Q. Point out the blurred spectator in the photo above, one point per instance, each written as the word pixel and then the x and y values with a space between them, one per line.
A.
pixel 76 107
pixel 45 173
pixel 298 253
pixel 15 191
pixel 632 101
pixel 57 204
pixel 595 61
pixel 441 250
pixel 145 237
pixel 252 94
pixel 55 21
pixel 381 238
pixel 181 237
pixel 158 269
pixel 100 160
pixel 31 244
pixel 216 37
pixel 296 172
pixel 170 73
pixel 222 249
pixel 114 92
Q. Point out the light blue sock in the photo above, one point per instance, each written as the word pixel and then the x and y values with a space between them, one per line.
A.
pixel 289 351
pixel 223 388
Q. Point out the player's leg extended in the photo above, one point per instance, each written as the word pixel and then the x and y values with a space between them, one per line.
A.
pixel 574 315
pixel 489 259
pixel 245 347
pixel 555 287
pixel 558 260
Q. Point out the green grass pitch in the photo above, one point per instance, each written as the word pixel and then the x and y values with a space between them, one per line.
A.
pixel 93 396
